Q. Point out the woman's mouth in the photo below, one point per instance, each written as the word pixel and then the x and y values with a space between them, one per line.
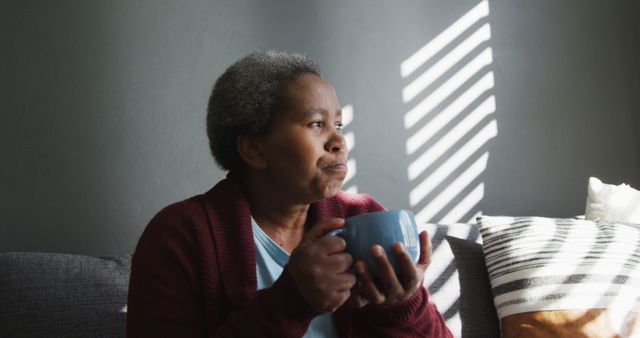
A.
pixel 340 167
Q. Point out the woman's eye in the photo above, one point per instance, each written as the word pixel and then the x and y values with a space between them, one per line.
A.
pixel 316 124
pixel 321 124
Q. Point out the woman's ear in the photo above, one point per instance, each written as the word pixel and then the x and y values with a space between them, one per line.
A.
pixel 250 150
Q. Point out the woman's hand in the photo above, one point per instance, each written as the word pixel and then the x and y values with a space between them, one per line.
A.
pixel 318 266
pixel 392 289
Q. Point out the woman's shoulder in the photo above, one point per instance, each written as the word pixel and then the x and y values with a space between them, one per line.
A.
pixel 194 209
pixel 175 222
pixel 191 217
pixel 184 210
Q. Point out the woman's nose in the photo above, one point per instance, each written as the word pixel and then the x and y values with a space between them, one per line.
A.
pixel 336 142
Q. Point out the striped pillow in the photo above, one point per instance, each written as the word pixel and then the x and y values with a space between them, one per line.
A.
pixel 563 277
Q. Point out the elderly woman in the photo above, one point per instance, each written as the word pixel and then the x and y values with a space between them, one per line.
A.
pixel 248 258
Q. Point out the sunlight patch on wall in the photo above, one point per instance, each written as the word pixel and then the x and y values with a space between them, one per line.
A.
pixel 454 189
pixel 425 133
pixel 446 90
pixel 453 162
pixel 450 118
pixel 443 39
pixel 453 136
pixel 445 64
pixel 349 136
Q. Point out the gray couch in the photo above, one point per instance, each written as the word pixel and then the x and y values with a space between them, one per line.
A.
pixel 59 295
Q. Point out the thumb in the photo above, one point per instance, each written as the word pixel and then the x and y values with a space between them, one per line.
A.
pixel 321 228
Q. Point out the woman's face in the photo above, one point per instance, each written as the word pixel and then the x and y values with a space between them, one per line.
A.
pixel 305 151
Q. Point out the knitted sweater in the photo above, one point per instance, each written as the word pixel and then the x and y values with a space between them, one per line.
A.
pixel 193 274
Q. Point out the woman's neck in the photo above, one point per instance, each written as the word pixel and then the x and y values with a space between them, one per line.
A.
pixel 282 222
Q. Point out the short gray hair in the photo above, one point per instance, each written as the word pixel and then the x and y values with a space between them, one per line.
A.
pixel 245 97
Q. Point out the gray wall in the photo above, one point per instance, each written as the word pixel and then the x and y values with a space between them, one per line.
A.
pixel 102 120
pixel 569 100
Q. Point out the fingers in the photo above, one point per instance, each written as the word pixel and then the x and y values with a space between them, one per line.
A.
pixel 340 298
pixel 425 249
pixel 344 281
pixel 331 244
pixel 368 287
pixel 408 274
pixel 340 262
pixel 357 299
pixel 323 281
pixel 393 288
pixel 321 228
pixel 337 291
pixel 390 282
pixel 329 302
pixel 327 253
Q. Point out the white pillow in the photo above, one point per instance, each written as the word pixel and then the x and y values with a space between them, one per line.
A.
pixel 613 203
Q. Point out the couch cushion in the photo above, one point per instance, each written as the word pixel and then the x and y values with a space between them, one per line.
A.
pixel 554 276
pixel 60 295
pixel 458 282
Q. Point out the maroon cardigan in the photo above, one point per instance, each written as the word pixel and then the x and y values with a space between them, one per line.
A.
pixel 193 274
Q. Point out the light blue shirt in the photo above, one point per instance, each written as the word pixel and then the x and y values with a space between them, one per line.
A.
pixel 270 261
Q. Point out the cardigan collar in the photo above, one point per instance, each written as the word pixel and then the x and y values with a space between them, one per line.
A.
pixel 230 220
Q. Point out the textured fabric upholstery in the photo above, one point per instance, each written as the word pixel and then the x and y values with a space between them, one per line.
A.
pixel 60 295
pixel 477 311
pixel 459 283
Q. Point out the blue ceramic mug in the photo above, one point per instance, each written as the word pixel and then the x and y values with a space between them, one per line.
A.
pixel 385 228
